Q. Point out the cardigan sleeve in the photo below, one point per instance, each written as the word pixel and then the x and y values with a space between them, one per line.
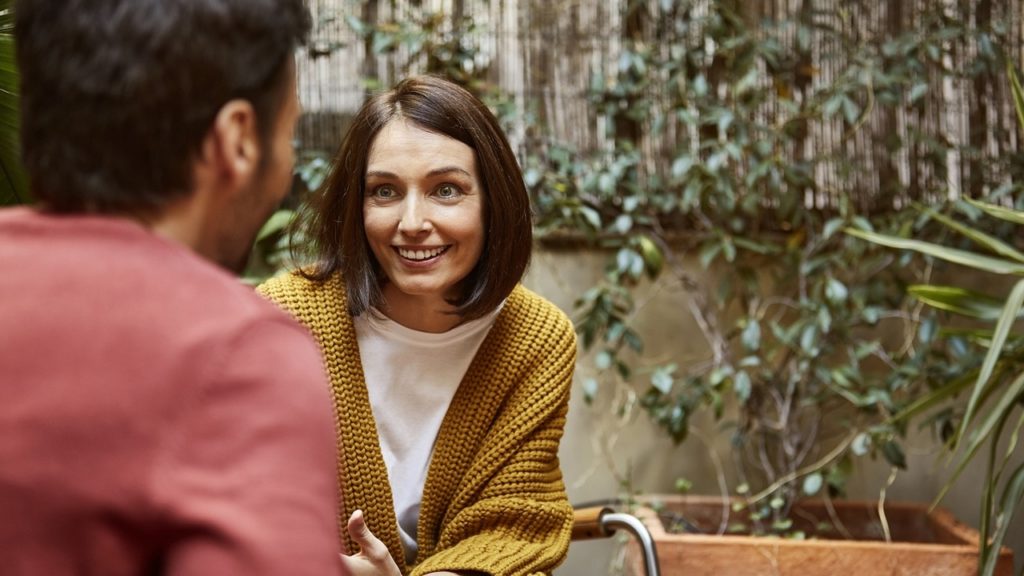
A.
pixel 521 520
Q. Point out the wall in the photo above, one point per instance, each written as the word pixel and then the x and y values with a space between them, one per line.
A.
pixel 600 450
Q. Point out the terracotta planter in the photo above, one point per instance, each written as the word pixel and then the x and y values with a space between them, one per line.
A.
pixel 923 543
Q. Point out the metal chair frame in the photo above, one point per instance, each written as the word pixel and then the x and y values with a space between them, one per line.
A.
pixel 602 522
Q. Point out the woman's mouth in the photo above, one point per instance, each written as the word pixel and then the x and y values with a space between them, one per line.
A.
pixel 421 255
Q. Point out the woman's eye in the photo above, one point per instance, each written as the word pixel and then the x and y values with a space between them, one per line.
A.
pixel 447 191
pixel 383 192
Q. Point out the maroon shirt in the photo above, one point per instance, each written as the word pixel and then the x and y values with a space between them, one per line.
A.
pixel 156 416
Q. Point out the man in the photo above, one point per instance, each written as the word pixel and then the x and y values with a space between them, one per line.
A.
pixel 156 416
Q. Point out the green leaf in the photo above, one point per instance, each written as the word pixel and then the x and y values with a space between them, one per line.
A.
pixel 993 244
pixel 953 255
pixel 13 181
pixel 708 253
pixel 358 26
pixel 918 92
pixel 809 339
pixel 861 444
pixel 589 389
pixel 654 260
pixel 700 85
pixel 1014 216
pixel 681 166
pixel 1013 498
pixel 382 42
pixel 926 331
pixel 662 379
pixel 683 485
pixel 742 385
pixel 831 227
pixel 591 216
pixel 1018 92
pixel 752 336
pixel 851 111
pixel 813 483
pixel 835 291
pixel 623 223
pixel 1002 330
pixel 871 314
pixel 756 247
pixel 832 105
pixel 958 300
pixel 277 223
pixel 824 320
pixel 983 432
pixel 729 249
pixel 929 401
pixel 894 454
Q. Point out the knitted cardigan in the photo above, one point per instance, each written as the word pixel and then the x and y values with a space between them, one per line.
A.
pixel 494 499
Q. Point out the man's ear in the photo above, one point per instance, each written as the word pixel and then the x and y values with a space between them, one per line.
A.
pixel 232 146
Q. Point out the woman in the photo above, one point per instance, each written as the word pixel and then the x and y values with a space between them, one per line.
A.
pixel 451 381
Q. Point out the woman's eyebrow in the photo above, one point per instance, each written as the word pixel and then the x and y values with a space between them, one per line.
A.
pixel 435 172
pixel 448 170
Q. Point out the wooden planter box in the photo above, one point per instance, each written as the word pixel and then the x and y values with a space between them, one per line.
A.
pixel 923 543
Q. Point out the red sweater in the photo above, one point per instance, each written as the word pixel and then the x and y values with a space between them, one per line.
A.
pixel 156 416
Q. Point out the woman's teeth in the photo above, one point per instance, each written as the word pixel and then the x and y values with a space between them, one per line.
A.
pixel 421 254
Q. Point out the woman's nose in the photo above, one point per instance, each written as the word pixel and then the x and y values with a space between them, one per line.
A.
pixel 414 219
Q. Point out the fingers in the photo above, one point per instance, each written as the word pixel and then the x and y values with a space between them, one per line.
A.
pixel 369 545
pixel 357 527
pixel 373 557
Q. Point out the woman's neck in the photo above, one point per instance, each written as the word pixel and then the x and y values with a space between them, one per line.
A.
pixel 428 313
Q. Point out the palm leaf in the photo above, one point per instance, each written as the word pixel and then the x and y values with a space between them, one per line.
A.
pixel 983 432
pixel 1002 331
pixel 962 257
pixel 1013 497
pixel 13 183
pixel 935 397
pixel 958 300
pixel 992 243
pixel 1018 93
pixel 1014 216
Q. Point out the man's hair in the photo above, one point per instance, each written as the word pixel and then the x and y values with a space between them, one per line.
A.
pixel 118 95
pixel 335 224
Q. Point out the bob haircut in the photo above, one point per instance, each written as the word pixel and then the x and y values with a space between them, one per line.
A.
pixel 334 221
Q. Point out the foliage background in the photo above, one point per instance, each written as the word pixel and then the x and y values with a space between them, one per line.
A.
pixel 717 147
pixel 685 137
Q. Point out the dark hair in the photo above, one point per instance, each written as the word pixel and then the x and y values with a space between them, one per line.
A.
pixel 334 221
pixel 118 95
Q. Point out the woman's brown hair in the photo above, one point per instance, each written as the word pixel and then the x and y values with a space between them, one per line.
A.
pixel 334 220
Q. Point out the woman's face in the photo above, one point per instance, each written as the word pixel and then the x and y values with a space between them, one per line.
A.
pixel 422 210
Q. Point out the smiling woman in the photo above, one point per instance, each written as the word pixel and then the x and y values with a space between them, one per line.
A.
pixel 451 380
pixel 423 213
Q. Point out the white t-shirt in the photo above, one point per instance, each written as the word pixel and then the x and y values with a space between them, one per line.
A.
pixel 411 378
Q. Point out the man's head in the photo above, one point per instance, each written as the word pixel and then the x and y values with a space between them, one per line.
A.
pixel 123 99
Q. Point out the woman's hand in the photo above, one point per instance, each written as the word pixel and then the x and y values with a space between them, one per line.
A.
pixel 373 558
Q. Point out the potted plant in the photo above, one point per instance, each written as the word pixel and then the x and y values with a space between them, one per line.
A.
pixel 813 354
pixel 992 416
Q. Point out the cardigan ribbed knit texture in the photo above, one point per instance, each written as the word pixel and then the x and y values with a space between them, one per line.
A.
pixel 494 499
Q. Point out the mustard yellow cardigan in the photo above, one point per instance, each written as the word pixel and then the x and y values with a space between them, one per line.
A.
pixel 494 499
